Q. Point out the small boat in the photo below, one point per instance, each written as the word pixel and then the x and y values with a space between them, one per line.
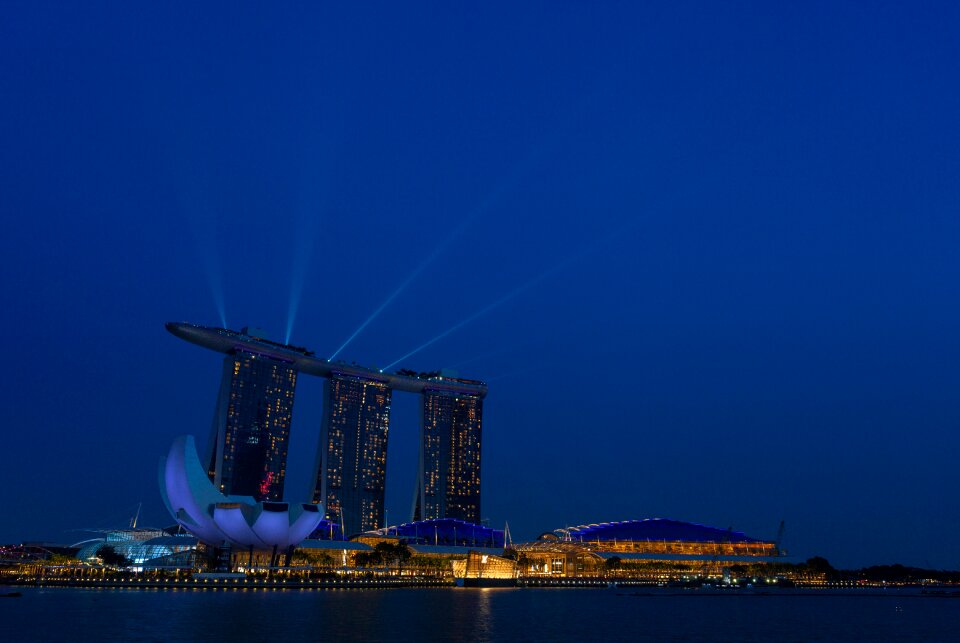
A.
pixel 11 595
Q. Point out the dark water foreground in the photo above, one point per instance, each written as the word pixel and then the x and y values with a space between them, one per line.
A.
pixel 70 614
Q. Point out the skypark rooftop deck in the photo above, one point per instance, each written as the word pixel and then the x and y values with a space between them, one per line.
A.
pixel 228 341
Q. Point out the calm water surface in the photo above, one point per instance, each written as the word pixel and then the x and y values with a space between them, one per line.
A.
pixel 474 614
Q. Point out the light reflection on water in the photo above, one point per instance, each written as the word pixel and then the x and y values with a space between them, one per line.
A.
pixel 474 614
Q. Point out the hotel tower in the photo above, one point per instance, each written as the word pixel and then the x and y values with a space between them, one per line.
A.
pixel 251 429
pixel 448 484
pixel 251 426
pixel 351 478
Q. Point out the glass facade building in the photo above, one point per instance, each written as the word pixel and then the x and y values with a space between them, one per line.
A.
pixel 251 426
pixel 352 459
pixel 144 548
pixel 448 483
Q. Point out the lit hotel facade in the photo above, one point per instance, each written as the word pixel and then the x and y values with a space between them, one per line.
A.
pixel 251 430
pixel 351 476
pixel 448 483
pixel 251 427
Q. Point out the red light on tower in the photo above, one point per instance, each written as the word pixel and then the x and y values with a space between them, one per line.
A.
pixel 266 484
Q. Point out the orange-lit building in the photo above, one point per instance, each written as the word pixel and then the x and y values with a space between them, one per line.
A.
pixel 655 548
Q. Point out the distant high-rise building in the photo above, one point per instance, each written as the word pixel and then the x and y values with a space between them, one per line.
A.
pixel 352 455
pixel 448 484
pixel 251 426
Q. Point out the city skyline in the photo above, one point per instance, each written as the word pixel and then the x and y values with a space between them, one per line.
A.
pixel 249 440
pixel 703 255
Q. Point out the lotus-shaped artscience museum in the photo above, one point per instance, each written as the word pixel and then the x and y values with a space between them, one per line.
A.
pixel 216 519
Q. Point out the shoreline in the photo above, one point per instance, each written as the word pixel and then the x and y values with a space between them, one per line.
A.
pixel 252 583
pixel 641 588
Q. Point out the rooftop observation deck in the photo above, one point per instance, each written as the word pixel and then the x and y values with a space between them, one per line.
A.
pixel 229 342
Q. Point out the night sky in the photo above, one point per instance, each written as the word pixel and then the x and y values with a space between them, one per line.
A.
pixel 707 255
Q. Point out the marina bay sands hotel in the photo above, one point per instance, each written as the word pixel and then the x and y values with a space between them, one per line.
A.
pixel 247 454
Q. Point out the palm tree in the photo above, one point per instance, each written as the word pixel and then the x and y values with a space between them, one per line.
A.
pixel 612 564
pixel 111 557
pixel 524 563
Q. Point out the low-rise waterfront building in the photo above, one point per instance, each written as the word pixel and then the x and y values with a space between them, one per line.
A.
pixel 143 549
pixel 653 548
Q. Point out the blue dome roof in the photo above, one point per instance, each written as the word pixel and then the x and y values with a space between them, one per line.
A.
pixel 655 529
pixel 447 531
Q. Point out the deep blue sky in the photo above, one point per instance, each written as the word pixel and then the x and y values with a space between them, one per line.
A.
pixel 738 224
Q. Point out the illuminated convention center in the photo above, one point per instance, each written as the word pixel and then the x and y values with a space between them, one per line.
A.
pixel 653 545
pixel 446 532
